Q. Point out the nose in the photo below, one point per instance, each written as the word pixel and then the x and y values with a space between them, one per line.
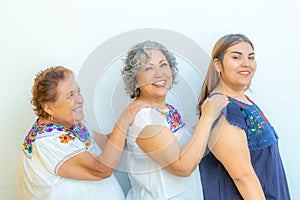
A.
pixel 79 99
pixel 158 71
pixel 246 62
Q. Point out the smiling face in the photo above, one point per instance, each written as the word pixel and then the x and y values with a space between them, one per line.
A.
pixel 67 110
pixel 238 66
pixel 155 76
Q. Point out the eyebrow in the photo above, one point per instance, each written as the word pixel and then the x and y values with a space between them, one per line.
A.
pixel 149 63
pixel 163 60
pixel 240 53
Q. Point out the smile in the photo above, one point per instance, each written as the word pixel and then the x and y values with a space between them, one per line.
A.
pixel 77 109
pixel 160 83
pixel 244 72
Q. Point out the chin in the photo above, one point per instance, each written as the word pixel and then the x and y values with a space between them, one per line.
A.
pixel 78 119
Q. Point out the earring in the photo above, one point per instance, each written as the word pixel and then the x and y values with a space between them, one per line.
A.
pixel 136 92
pixel 51 118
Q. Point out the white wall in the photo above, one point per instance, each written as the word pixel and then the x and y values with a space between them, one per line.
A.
pixel 40 33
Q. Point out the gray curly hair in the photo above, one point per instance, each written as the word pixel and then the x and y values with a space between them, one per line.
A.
pixel 132 64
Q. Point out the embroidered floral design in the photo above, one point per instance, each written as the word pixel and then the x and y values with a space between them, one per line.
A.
pixel 173 118
pixel 68 134
pixel 260 133
pixel 81 132
pixel 66 138
pixel 255 126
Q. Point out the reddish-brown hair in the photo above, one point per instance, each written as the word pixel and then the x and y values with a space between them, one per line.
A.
pixel 44 88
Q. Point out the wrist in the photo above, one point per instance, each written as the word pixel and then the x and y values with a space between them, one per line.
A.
pixel 206 119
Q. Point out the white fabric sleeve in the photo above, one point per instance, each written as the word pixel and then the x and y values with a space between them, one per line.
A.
pixel 146 116
pixel 53 150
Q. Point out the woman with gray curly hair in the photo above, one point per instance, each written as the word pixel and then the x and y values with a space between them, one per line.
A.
pixel 132 64
pixel 163 153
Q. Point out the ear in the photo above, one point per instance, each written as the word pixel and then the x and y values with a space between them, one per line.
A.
pixel 218 65
pixel 47 108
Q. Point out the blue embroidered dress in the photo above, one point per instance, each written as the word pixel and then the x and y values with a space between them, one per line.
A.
pixel 148 179
pixel 45 148
pixel 265 157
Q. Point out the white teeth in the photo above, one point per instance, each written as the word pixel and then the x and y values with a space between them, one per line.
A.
pixel 244 72
pixel 160 83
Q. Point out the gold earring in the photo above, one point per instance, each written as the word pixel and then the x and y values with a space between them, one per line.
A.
pixel 51 118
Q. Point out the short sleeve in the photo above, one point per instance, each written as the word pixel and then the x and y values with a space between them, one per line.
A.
pixel 234 116
pixel 93 148
pixel 55 149
pixel 146 116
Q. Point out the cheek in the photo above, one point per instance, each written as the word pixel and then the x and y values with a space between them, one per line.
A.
pixel 254 69
pixel 169 73
pixel 139 79
pixel 143 80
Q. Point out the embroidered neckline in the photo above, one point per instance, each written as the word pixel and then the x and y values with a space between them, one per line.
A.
pixel 65 134
pixel 173 118
pixel 260 133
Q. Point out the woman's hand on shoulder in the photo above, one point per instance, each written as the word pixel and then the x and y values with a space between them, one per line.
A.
pixel 132 109
pixel 128 115
pixel 213 106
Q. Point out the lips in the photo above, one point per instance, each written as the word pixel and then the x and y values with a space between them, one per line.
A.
pixel 77 109
pixel 160 83
pixel 244 72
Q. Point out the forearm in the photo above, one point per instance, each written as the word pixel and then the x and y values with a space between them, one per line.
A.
pixel 101 139
pixel 111 154
pixel 192 153
pixel 249 187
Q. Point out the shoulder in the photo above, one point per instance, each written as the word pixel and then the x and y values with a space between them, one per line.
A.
pixel 147 116
pixel 234 115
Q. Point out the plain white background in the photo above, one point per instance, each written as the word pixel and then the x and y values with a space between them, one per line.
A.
pixel 36 34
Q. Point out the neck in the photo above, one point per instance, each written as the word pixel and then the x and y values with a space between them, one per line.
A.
pixel 237 93
pixel 159 103
pixel 47 121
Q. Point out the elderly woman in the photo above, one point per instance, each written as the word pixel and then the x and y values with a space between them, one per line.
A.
pixel 60 159
pixel 163 153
